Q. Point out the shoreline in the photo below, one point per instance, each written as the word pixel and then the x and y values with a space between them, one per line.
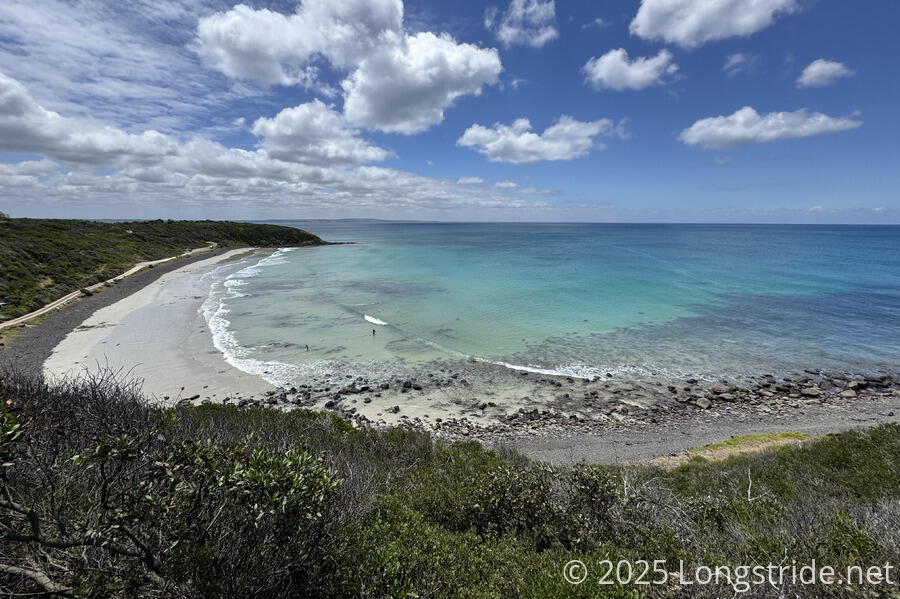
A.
pixel 151 328
pixel 158 336
pixel 33 343
pixel 61 302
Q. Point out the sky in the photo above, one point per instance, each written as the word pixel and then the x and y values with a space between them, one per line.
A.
pixel 769 111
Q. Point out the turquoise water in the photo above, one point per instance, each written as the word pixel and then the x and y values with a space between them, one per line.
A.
pixel 673 300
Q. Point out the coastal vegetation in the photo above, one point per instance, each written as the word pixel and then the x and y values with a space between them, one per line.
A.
pixel 102 495
pixel 42 260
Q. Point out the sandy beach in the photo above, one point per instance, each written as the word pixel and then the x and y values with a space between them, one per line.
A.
pixel 157 335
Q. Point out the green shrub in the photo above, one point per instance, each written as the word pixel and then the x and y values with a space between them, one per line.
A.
pixel 107 497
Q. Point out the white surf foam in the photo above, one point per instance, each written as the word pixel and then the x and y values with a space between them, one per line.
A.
pixel 586 372
pixel 214 311
pixel 374 320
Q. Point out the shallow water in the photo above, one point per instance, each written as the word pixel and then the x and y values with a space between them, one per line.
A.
pixel 583 300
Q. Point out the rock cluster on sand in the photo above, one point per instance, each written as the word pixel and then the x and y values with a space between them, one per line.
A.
pixel 564 405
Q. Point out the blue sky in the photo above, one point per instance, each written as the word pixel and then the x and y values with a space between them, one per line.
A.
pixel 658 110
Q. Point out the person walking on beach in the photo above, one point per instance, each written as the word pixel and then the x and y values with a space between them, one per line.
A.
pixel 307 347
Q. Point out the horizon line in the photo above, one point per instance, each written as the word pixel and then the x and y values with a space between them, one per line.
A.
pixel 473 222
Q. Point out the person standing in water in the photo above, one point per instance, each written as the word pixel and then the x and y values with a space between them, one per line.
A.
pixel 373 332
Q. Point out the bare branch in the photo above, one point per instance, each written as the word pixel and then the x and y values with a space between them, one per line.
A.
pixel 39 577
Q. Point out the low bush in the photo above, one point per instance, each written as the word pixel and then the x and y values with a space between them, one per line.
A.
pixel 104 496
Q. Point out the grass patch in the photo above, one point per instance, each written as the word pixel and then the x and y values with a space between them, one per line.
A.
pixel 8 334
pixel 717 452
pixel 754 438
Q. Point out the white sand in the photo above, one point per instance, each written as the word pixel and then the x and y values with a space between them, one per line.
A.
pixel 159 335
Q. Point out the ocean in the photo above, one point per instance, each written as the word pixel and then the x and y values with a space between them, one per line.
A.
pixel 583 300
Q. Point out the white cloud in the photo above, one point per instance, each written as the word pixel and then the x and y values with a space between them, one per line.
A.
pixel 469 180
pixel 739 62
pixel 691 23
pixel 85 145
pixel 272 48
pixel 405 88
pixel 396 82
pixel 157 173
pixel 313 133
pixel 506 184
pixel 746 126
pixel 27 127
pixel 25 174
pixel 517 143
pixel 822 72
pixel 524 22
pixel 615 71
pixel 29 168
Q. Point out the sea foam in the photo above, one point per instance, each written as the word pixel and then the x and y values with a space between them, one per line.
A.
pixel 214 311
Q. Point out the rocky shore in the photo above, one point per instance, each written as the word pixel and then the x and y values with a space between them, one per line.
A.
pixel 565 406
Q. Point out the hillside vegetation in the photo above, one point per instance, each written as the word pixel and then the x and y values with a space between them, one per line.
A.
pixel 43 260
pixel 102 496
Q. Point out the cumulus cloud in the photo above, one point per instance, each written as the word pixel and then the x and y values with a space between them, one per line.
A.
pixel 406 88
pixel 518 144
pixel 396 82
pixel 30 168
pixel 615 71
pixel 85 145
pixel 26 173
pixel 822 72
pixel 692 23
pixel 273 48
pixel 27 127
pixel 469 180
pixel 524 22
pixel 746 126
pixel 313 133
pixel 310 134
pixel 156 172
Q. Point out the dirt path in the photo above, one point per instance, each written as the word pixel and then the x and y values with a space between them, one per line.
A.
pixel 646 443
pixel 76 294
